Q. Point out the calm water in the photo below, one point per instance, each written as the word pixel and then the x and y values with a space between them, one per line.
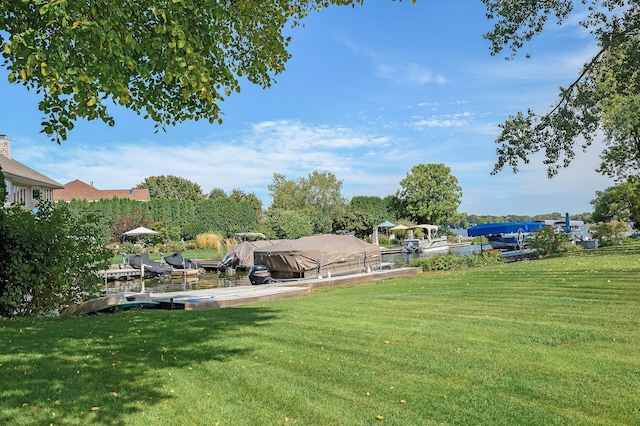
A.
pixel 239 278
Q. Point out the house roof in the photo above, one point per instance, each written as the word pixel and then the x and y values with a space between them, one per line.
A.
pixel 76 189
pixel 22 174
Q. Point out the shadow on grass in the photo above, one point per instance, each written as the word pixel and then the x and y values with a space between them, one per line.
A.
pixel 104 369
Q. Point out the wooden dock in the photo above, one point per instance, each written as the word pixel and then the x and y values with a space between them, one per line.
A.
pixel 224 297
pixel 177 273
pixel 208 264
pixel 119 272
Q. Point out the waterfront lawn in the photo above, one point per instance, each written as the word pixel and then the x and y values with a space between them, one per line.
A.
pixel 545 342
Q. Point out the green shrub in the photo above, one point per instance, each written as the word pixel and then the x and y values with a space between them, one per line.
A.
pixel 48 259
pixel 548 241
pixel 449 262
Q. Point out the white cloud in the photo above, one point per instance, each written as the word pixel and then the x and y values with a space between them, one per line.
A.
pixel 409 73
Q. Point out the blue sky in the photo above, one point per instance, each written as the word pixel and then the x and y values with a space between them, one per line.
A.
pixel 370 92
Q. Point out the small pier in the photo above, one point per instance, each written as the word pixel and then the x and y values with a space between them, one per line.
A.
pixel 120 272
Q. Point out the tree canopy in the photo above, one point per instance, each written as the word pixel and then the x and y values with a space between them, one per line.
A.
pixel 618 203
pixel 168 60
pixel 604 97
pixel 430 194
pixel 172 187
pixel 317 196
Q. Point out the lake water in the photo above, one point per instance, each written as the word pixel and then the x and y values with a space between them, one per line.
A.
pixel 241 278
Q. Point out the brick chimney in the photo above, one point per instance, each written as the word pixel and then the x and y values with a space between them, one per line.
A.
pixel 5 146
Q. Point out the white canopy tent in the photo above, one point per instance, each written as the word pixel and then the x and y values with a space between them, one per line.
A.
pixel 141 230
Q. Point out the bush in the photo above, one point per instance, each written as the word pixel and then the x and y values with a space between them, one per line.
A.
pixel 48 259
pixel 548 241
pixel 449 262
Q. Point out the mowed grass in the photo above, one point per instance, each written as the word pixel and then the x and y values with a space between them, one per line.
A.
pixel 547 342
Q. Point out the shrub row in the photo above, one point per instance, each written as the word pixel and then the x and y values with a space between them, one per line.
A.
pixel 448 262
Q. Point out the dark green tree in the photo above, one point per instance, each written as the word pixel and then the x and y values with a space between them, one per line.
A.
pixel 172 187
pixel 620 202
pixel 287 224
pixel 239 195
pixel 3 189
pixel 364 213
pixel 217 193
pixel 226 216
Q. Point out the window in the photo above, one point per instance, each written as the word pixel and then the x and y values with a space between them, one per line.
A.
pixel 19 195
pixel 36 193
pixel 47 194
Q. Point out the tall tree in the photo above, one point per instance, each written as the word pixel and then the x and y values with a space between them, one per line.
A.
pixel 287 224
pixel 217 193
pixel 430 194
pixel 169 60
pixel 604 96
pixel 318 197
pixel 239 195
pixel 365 212
pixel 172 187
pixel 618 203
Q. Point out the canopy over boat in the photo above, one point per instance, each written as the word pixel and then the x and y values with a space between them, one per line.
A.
pixel 503 228
pixel 244 253
pixel 306 257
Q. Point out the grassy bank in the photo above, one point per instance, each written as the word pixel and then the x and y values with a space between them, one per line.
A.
pixel 546 342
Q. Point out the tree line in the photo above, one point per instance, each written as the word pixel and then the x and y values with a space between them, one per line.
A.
pixel 179 210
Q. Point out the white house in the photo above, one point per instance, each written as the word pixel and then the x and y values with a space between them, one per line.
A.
pixel 24 185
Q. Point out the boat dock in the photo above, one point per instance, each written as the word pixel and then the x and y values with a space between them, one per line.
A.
pixel 119 272
pixel 224 297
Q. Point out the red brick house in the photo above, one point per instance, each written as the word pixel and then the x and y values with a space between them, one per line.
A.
pixel 79 190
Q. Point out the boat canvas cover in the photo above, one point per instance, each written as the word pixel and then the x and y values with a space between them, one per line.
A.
pixel 503 228
pixel 308 253
pixel 244 250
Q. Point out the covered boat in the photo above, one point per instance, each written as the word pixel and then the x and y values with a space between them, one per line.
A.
pixel 505 235
pixel 241 255
pixel 178 262
pixel 151 268
pixel 319 255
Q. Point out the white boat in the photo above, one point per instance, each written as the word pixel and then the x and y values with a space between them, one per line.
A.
pixel 429 243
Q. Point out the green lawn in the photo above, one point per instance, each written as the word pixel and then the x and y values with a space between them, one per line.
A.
pixel 547 342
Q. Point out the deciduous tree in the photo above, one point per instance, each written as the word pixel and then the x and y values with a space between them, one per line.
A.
pixel 167 60
pixel 172 187
pixel 618 203
pixel 317 196
pixel 605 96
pixel 430 194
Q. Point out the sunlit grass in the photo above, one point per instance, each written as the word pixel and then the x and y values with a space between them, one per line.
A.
pixel 544 342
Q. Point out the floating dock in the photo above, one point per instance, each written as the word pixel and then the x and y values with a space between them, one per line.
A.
pixel 224 297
